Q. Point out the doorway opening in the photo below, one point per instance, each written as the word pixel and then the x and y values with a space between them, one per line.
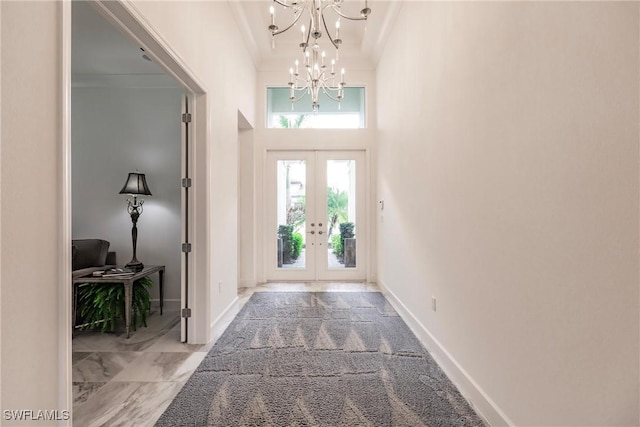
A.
pixel 125 114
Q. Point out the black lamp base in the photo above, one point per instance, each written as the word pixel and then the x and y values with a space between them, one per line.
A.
pixel 135 265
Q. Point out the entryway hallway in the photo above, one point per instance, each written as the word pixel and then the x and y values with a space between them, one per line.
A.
pixel 119 381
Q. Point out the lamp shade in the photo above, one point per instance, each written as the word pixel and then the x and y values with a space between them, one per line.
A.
pixel 136 185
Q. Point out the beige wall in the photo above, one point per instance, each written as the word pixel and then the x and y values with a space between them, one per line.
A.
pixel 509 169
pixel 30 210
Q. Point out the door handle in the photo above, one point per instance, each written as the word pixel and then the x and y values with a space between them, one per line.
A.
pixel 319 232
pixel 313 232
pixel 312 224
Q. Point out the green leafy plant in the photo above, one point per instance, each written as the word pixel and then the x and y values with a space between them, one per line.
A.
pixel 346 231
pixel 336 245
pixel 103 303
pixel 285 232
pixel 291 121
pixel 337 206
pixel 297 245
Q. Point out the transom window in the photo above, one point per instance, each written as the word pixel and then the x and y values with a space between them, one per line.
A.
pixel 348 114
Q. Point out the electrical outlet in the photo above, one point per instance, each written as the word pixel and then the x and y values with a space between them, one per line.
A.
pixel 433 303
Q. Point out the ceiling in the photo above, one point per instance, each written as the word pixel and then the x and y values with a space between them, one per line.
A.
pixel 362 40
pixel 103 56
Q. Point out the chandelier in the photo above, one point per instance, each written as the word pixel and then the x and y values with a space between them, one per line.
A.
pixel 315 77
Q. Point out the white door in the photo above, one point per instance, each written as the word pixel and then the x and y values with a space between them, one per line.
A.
pixel 185 264
pixel 316 215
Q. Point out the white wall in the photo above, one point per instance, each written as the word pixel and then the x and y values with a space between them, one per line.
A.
pixel 31 205
pixel 205 36
pixel 32 172
pixel 246 210
pixel 120 130
pixel 509 168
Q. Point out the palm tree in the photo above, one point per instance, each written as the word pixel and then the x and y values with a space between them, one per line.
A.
pixel 285 122
pixel 337 205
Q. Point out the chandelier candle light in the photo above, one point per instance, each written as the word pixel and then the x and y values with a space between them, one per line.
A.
pixel 315 77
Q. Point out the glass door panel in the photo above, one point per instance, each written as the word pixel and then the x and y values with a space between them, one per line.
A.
pixel 341 203
pixel 341 214
pixel 290 203
pixel 291 213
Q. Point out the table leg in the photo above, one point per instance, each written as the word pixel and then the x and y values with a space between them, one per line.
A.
pixel 161 276
pixel 75 305
pixel 128 288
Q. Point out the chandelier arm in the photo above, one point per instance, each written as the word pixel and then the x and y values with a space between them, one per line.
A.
pixel 298 14
pixel 325 86
pixel 331 97
pixel 351 18
pixel 296 99
pixel 306 46
pixel 283 4
pixel 324 22
pixel 304 84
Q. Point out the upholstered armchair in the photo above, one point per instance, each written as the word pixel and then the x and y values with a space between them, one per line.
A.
pixel 90 255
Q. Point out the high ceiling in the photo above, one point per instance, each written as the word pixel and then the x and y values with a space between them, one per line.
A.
pixel 103 56
pixel 362 40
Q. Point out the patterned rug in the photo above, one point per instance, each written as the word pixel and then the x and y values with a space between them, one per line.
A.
pixel 318 359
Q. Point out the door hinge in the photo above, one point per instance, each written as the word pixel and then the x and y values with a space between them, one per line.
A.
pixel 185 313
pixel 186 182
pixel 186 117
pixel 186 247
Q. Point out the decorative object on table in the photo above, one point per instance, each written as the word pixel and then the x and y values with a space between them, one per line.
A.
pixel 114 272
pixel 103 303
pixel 135 186
pixel 315 77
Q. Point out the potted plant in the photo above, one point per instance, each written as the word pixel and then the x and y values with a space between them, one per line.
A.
pixel 103 303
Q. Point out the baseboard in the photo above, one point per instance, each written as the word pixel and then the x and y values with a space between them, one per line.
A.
pixel 167 304
pixel 247 284
pixel 218 326
pixel 481 402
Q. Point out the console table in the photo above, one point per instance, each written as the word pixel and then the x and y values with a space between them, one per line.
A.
pixel 127 282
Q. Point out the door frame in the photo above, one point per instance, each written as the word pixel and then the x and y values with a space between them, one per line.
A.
pixel 314 171
pixel 126 18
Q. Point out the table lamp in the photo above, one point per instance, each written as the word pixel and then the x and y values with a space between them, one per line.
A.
pixel 135 186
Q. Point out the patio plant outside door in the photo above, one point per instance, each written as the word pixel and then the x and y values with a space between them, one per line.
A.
pixel 316 215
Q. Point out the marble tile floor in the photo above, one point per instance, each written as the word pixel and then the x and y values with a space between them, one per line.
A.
pixel 130 382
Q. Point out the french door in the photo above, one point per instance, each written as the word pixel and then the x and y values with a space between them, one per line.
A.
pixel 316 215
